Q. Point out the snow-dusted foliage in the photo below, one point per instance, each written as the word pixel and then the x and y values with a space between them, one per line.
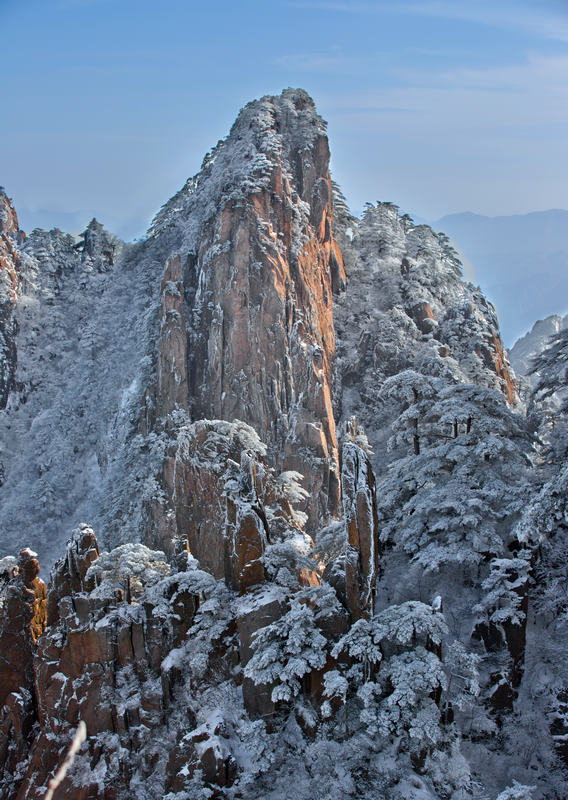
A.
pixel 400 633
pixel 517 791
pixel 237 166
pixel 287 650
pixel 131 568
pixel 551 366
pixel 504 590
pixel 455 495
pixel 70 444
pixel 394 675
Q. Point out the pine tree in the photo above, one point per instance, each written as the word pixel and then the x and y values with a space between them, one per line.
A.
pixel 286 650
pixel 454 499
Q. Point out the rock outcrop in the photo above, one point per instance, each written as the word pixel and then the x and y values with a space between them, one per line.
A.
pixel 260 266
pixel 222 502
pixel 100 661
pixel 22 621
pixel 127 636
pixel 172 389
pixel 362 527
pixel 10 237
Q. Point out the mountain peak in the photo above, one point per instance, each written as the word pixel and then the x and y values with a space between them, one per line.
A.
pixel 8 218
pixel 268 134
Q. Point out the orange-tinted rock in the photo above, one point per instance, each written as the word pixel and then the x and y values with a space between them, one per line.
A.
pixel 423 316
pixel 194 475
pixel 100 662
pixel 22 623
pixel 246 540
pixel 308 577
pixel 10 237
pixel 218 485
pixel 23 605
pixel 493 355
pixel 262 342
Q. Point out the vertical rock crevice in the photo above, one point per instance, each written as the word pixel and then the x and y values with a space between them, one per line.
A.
pixel 361 527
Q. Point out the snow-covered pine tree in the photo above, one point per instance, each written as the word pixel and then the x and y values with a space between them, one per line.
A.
pixel 452 500
pixel 450 506
pixel 286 650
pixel 395 687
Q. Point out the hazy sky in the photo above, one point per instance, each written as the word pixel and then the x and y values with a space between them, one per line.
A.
pixel 107 106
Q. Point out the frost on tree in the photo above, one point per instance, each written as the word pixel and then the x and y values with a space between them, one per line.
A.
pixel 286 651
pixel 454 499
pixel 451 504
pixel 391 676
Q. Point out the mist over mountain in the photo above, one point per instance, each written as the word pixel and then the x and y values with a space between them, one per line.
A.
pixel 521 261
pixel 308 535
pixel 76 221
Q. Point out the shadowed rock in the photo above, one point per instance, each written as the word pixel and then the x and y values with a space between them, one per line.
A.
pixel 362 528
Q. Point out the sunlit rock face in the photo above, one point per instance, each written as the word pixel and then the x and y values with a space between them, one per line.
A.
pixel 247 610
pixel 260 266
pixel 10 237
pixel 224 312
pixel 22 621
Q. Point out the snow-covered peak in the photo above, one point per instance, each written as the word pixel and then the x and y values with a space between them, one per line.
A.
pixel 272 130
pixel 534 342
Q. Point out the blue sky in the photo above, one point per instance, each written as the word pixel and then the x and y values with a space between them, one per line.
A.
pixel 438 105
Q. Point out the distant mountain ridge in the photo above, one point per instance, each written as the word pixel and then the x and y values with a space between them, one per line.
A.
pixel 520 261
pixel 534 342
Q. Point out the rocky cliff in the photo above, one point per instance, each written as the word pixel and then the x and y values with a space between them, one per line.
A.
pixel 10 237
pixel 224 312
pixel 259 268
pixel 263 589
pixel 128 634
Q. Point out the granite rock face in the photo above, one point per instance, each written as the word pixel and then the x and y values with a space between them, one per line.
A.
pixel 187 392
pixel 260 266
pixel 220 498
pixel 10 237
pixel 246 310
pixel 22 621
pixel 99 661
pixel 172 389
